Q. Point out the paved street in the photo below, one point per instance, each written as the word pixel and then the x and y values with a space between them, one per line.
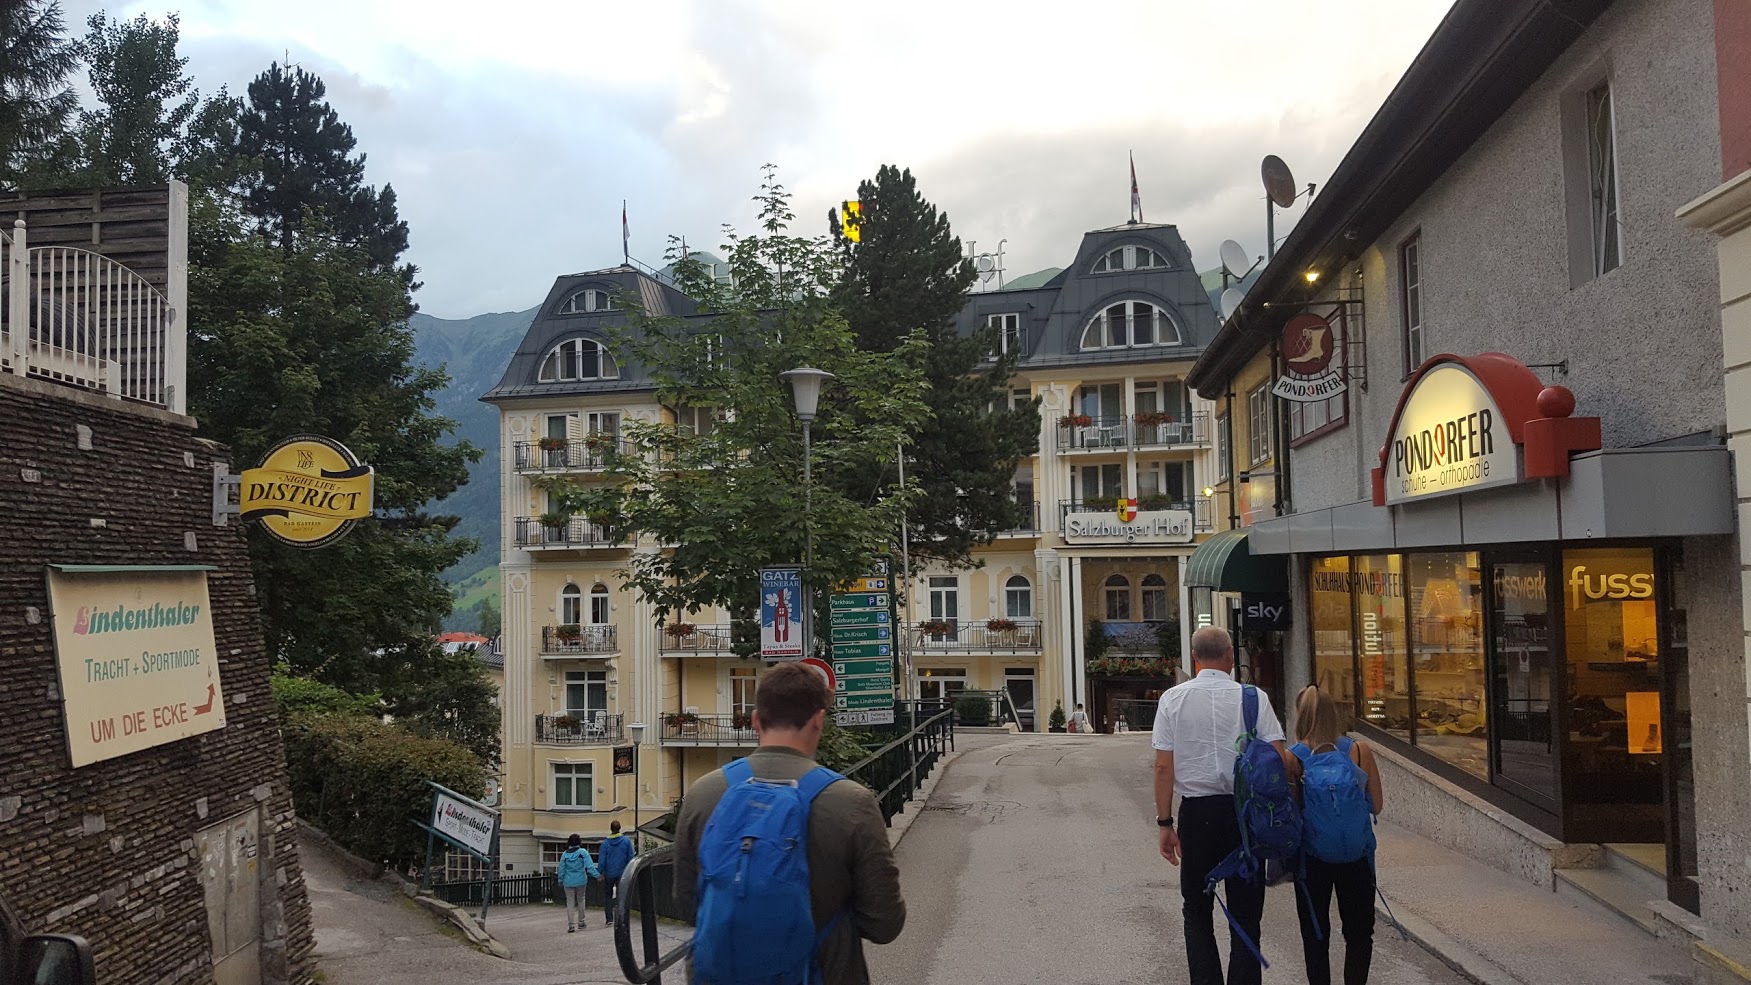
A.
pixel 1036 862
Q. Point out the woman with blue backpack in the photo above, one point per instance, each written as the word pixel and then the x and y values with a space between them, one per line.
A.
pixel 1340 796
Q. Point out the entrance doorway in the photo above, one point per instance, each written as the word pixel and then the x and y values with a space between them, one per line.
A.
pixel 1019 681
pixel 231 881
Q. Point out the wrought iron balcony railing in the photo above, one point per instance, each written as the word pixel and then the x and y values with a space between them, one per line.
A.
pixel 582 728
pixel 1143 430
pixel 689 639
pixel 575 532
pixel 589 454
pixel 688 728
pixel 985 635
pixel 571 638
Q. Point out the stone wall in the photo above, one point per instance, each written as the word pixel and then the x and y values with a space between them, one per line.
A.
pixel 108 850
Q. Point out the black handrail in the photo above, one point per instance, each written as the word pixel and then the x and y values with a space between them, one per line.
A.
pixel 640 876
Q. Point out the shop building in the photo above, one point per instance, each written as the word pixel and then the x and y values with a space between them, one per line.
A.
pixel 1104 346
pixel 1510 541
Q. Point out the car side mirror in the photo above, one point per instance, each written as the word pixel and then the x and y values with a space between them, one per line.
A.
pixel 55 959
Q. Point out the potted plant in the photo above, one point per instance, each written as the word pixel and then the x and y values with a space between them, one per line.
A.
pixel 599 442
pixel 742 721
pixel 1155 501
pixel 1150 418
pixel 936 629
pixel 1056 721
pixel 571 632
pixel 1000 625
pixel 678 719
pixel 679 629
pixel 565 722
pixel 551 444
pixel 555 520
pixel 1102 504
pixel 1075 421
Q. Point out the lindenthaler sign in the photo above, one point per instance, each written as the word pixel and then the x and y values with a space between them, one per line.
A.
pixel 307 492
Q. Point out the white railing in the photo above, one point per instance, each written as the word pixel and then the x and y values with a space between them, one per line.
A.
pixel 81 319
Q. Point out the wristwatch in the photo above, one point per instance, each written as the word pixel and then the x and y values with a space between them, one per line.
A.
pixel 1164 822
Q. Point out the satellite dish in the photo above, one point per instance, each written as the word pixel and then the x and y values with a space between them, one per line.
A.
pixel 1279 182
pixel 1234 259
pixel 1231 299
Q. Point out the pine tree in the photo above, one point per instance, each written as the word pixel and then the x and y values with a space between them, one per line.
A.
pixel 908 274
pixel 36 104
pixel 145 102
pixel 309 180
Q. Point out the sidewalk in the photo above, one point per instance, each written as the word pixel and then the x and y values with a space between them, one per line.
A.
pixel 1498 930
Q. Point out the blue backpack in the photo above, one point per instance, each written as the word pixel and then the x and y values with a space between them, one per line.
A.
pixel 755 922
pixel 1335 808
pixel 1270 821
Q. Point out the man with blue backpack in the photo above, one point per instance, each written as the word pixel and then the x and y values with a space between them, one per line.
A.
pixel 784 863
pixel 1209 731
pixel 617 852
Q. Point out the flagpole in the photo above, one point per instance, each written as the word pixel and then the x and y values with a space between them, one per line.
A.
pixel 625 237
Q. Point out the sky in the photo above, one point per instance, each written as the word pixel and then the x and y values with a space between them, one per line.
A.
pixel 512 132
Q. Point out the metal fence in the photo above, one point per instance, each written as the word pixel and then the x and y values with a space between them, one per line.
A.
pixel 574 532
pixel 598 729
pixel 573 638
pixel 1001 636
pixel 79 318
pixel 688 728
pixel 590 453
pixel 1083 431
pixel 896 771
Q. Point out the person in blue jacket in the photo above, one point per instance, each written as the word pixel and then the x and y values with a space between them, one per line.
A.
pixel 617 853
pixel 576 869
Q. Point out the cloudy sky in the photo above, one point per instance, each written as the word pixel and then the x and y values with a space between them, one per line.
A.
pixel 513 130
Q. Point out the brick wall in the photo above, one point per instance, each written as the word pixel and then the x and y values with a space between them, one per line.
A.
pixel 108 851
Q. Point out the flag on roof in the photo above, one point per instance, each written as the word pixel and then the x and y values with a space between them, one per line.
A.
pixel 1136 199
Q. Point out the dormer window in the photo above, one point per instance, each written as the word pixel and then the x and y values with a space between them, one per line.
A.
pixel 1131 258
pixel 587 302
pixel 578 359
pixel 1129 324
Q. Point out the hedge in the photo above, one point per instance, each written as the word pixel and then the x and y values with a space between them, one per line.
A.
pixel 364 782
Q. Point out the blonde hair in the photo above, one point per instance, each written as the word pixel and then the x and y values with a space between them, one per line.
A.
pixel 1316 719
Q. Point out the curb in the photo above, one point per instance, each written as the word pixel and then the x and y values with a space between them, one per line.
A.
pixel 458 917
pixel 904 820
pixel 1469 964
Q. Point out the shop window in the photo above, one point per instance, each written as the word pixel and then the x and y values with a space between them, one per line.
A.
pixel 1154 598
pixel 1525 673
pixel 573 786
pixel 1380 634
pixel 1334 656
pixel 1612 771
pixel 1446 612
pixel 1018 598
pixel 1117 591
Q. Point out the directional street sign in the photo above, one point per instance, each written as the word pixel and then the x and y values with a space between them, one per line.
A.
pixel 884 684
pixel 861 668
pixel 859 601
pixel 842 651
pixel 843 619
pixel 866 585
pixel 874 716
pixel 862 634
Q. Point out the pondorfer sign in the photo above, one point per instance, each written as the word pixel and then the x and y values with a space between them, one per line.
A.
pixel 1469 423
pixel 1309 343
pixel 307 492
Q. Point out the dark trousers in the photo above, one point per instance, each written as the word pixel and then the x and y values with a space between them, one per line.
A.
pixel 1354 883
pixel 610 896
pixel 1208 831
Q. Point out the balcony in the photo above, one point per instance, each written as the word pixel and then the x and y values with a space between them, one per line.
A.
pixel 80 319
pixel 590 454
pixel 965 636
pixel 576 532
pixel 700 641
pixel 579 641
pixel 594 728
pixel 1145 504
pixel 1030 523
pixel 689 729
pixel 1080 432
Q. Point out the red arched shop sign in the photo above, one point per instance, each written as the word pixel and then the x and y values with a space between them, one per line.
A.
pixel 1466 423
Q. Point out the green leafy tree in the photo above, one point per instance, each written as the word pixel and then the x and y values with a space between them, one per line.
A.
pixel 308 180
pixel 36 102
pixel 907 276
pixel 491 621
pixel 316 341
pixel 732 500
pixel 144 101
pixel 445 696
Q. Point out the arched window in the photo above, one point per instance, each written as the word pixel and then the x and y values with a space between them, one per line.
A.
pixel 1154 598
pixel 587 301
pixel 1130 258
pixel 1018 598
pixel 1118 598
pixel 571 605
pixel 598 604
pixel 1130 323
pixel 578 359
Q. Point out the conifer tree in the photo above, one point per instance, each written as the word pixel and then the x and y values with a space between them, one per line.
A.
pixel 36 102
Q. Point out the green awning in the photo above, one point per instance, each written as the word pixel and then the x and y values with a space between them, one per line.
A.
pixel 1226 563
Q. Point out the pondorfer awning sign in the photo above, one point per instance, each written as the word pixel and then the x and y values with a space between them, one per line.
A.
pixel 1469 423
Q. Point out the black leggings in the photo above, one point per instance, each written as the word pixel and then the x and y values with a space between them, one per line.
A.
pixel 1354 883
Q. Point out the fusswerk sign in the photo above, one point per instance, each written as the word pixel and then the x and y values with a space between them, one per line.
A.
pixel 307 492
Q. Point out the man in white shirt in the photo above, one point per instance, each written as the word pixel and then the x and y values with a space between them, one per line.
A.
pixel 1198 725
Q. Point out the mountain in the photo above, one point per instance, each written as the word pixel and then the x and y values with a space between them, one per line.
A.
pixel 474 352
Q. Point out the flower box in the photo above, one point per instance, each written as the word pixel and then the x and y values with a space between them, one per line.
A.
pixel 551 444
pixel 679 629
pixel 936 628
pixel 1155 501
pixel 569 633
pixel 555 520
pixel 1000 625
pixel 1151 418
pixel 679 719
pixel 1075 421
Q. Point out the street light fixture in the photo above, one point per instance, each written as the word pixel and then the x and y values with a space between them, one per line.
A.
pixel 637 740
pixel 805 384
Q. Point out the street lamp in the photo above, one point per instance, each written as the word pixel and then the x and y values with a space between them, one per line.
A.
pixel 637 740
pixel 805 384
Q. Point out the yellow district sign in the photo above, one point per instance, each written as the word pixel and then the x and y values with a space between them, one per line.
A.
pixel 307 492
pixel 139 665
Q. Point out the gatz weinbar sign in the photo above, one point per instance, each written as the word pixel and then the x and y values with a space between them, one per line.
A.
pixel 1469 423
